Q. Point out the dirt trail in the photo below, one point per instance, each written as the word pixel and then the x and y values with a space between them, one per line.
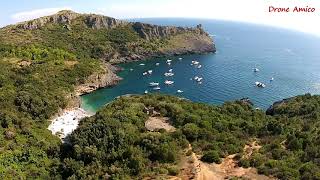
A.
pixel 155 123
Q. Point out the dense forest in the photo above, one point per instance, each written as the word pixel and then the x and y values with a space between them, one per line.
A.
pixel 115 143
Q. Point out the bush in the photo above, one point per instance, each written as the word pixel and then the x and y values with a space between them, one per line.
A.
pixel 211 156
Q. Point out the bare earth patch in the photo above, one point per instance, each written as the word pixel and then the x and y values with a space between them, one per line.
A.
pixel 193 168
pixel 156 123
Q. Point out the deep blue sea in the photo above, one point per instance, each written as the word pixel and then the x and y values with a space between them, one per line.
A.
pixel 291 58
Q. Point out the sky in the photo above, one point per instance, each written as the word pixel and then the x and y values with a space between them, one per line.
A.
pixel 251 11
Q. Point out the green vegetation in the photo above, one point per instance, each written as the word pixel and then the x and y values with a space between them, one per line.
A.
pixel 41 67
pixel 115 142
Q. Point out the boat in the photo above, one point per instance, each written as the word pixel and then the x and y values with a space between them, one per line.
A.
pixel 141 64
pixel 199 79
pixel 157 64
pixel 156 88
pixel 199 66
pixel 169 63
pixel 145 92
pixel 168 74
pixel 180 58
pixel 170 70
pixel 256 70
pixel 179 91
pixel 131 69
pixel 195 62
pixel 150 71
pixel 144 73
pixel 154 84
pixel 196 78
pixel 260 84
pixel 169 60
pixel 200 82
pixel 272 79
pixel 167 82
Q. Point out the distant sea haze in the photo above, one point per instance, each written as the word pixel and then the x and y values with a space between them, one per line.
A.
pixel 290 58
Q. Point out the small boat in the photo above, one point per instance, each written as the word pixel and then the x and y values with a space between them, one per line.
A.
pixel 199 66
pixel 144 73
pixel 169 63
pixel 131 69
pixel 154 84
pixel 168 74
pixel 145 92
pixel 256 70
pixel 260 84
pixel 196 78
pixel 195 62
pixel 157 64
pixel 272 79
pixel 169 60
pixel 150 71
pixel 179 91
pixel 180 58
pixel 141 64
pixel 156 88
pixel 199 79
pixel 200 82
pixel 170 70
pixel 167 82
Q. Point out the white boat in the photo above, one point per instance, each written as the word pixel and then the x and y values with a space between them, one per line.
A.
pixel 179 91
pixel 180 58
pixel 196 78
pixel 141 64
pixel 195 62
pixel 144 73
pixel 157 64
pixel 150 71
pixel 199 79
pixel 256 70
pixel 169 63
pixel 168 74
pixel 199 66
pixel 131 69
pixel 170 70
pixel 156 88
pixel 167 82
pixel 145 92
pixel 260 84
pixel 154 84
pixel 169 60
pixel 200 82
pixel 272 79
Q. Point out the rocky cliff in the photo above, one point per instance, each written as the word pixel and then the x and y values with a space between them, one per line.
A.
pixel 104 78
pixel 67 17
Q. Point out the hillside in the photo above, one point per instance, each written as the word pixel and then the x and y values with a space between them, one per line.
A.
pixel 117 144
pixel 47 62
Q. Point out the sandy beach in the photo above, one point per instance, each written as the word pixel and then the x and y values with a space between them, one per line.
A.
pixel 66 123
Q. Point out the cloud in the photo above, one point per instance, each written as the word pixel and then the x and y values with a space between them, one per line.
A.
pixel 28 15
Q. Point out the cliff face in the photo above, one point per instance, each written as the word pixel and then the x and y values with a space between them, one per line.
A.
pixel 107 77
pixel 68 17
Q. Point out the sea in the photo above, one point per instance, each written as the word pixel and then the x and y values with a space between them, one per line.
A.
pixel 288 63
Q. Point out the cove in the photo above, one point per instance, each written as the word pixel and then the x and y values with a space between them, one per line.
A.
pixel 291 58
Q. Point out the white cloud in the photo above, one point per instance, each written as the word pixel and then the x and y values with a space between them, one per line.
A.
pixel 28 15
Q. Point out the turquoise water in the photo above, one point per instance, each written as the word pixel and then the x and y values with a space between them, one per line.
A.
pixel 291 58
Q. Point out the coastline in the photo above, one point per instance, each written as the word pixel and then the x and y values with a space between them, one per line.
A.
pixel 68 119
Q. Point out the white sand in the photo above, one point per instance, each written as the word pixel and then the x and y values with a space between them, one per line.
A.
pixel 67 122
